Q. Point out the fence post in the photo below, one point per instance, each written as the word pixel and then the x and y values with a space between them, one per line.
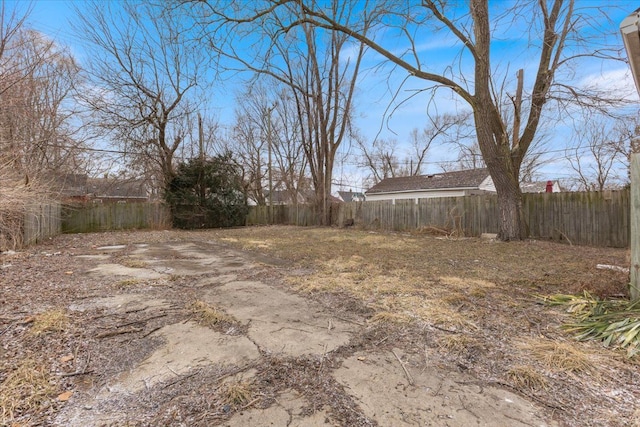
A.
pixel 635 226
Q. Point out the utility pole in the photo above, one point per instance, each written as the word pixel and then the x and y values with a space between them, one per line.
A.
pixel 201 138
pixel 201 169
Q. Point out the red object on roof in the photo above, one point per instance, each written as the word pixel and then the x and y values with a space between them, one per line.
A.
pixel 549 186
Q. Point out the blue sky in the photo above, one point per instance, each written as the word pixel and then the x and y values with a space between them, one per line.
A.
pixel 52 18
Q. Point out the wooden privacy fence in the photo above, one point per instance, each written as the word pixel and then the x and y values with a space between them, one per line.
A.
pixel 586 218
pixel 115 216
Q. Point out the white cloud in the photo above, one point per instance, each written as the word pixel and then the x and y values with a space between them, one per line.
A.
pixel 617 82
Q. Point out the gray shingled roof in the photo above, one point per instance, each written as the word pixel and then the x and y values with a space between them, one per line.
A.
pixel 458 179
pixel 115 188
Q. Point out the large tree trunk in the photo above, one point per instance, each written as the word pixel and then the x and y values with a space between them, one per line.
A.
pixel 492 134
pixel 511 218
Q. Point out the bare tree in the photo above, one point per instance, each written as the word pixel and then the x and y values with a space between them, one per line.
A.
pixel 599 156
pixel 37 86
pixel 380 159
pixel 289 158
pixel 37 138
pixel 266 125
pixel 386 158
pixel 554 30
pixel 469 157
pixel 319 66
pixel 145 76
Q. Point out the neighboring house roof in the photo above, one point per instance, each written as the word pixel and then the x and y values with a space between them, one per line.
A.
pixel 70 184
pixel 106 188
pixel 458 179
pixel 351 196
pixel 539 187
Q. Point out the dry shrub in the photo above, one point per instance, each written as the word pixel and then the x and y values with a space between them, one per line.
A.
pixel 208 315
pixel 527 377
pixel 50 321
pixel 27 389
pixel 17 193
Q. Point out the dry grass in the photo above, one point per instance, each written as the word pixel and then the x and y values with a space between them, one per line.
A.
pixel 50 321
pixel 391 317
pixel 209 316
pixel 527 377
pixel 27 389
pixel 558 356
pixel 236 393
pixel 127 283
pixel 455 343
pixel 134 263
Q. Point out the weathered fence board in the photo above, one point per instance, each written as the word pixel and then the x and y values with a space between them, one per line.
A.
pixel 29 224
pixel 41 221
pixel 115 216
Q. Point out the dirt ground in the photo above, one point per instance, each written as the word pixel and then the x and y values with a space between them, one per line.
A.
pixel 288 326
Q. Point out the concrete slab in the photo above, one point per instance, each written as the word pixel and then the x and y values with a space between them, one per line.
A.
pixel 379 384
pixel 121 270
pixel 187 346
pixel 280 322
pixel 111 248
pixel 189 259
